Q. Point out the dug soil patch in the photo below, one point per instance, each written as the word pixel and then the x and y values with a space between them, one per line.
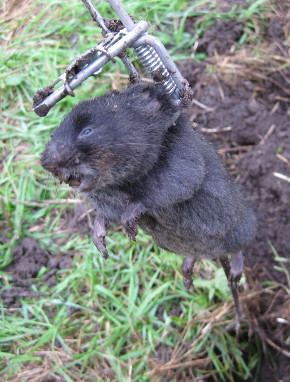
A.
pixel 28 259
pixel 242 106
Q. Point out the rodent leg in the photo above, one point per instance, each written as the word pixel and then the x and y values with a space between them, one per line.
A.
pixel 187 271
pixel 99 235
pixel 234 270
pixel 129 218
pixel 236 267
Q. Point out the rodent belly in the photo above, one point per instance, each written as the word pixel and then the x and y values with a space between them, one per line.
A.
pixel 110 205
pixel 188 244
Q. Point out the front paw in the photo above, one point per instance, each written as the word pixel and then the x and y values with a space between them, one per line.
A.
pixel 130 217
pixel 100 244
pixel 99 235
pixel 131 228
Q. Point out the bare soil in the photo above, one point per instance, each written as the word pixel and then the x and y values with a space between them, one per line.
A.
pixel 247 120
pixel 256 149
pixel 28 259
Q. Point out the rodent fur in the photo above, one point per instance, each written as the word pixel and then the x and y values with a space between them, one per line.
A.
pixel 143 163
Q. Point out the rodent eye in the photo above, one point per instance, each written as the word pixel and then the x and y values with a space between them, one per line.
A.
pixel 86 131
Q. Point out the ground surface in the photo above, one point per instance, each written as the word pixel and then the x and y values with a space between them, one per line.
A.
pixel 248 122
pixel 256 148
pixel 241 103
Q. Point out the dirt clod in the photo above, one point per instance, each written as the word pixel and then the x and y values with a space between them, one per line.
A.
pixel 41 94
pixel 220 37
pixel 28 259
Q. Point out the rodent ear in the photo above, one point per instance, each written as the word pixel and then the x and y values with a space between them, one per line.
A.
pixel 144 98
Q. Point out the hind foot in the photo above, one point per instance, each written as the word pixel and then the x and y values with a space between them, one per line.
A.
pixel 187 271
pixel 234 270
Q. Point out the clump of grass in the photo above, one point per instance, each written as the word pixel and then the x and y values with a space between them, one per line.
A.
pixel 110 319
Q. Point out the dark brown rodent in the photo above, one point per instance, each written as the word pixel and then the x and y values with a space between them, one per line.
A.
pixel 138 160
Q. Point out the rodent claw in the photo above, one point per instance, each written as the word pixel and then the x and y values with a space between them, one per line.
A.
pixel 129 219
pixel 188 283
pixel 131 229
pixel 99 243
pixel 105 255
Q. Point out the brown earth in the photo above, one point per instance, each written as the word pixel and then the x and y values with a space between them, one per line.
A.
pixel 28 259
pixel 256 149
pixel 246 117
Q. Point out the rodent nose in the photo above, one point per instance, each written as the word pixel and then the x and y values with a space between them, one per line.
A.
pixel 51 158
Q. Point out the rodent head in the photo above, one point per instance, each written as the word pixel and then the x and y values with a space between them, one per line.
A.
pixel 110 139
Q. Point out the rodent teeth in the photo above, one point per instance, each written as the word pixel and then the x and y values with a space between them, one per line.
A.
pixel 73 182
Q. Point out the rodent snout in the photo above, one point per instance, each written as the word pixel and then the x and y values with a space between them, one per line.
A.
pixel 55 157
pixel 51 158
pixel 61 162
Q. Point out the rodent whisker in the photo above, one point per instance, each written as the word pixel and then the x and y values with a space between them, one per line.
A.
pixel 138 145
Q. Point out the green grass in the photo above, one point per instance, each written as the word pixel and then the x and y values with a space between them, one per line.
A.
pixel 103 320
pixel 117 313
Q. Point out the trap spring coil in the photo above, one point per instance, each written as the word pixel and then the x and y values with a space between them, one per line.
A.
pixel 150 59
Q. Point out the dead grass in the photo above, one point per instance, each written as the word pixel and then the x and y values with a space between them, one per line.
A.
pixel 265 59
pixel 45 371
pixel 12 12
pixel 180 361
pixel 14 9
pixel 248 65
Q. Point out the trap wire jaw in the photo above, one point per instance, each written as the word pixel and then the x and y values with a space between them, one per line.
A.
pixel 118 36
